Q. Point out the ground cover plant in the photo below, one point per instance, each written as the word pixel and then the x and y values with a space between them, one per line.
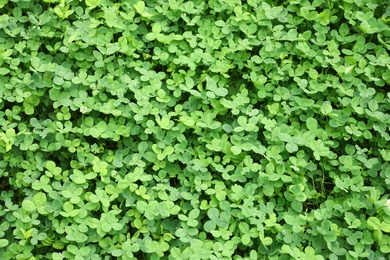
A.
pixel 171 129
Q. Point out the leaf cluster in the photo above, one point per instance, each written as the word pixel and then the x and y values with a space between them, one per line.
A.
pixel 220 129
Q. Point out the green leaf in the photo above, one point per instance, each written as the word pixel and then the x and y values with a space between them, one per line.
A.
pixel 211 84
pixel 213 213
pixel 4 71
pixel 222 92
pixel 3 243
pixel 2 4
pixel 209 226
pixel 267 241
pixel 245 239
pixel 4 20
pixel 236 150
pixel 28 205
pixel 312 124
pixel 374 223
pixel 92 3
pixel 140 8
pixel 39 199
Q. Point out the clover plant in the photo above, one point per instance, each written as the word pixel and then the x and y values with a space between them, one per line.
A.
pixel 220 129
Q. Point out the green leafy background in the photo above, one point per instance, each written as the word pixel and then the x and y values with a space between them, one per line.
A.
pixel 220 129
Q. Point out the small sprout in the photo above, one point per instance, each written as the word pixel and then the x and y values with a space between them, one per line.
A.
pixel 388 204
pixel 83 109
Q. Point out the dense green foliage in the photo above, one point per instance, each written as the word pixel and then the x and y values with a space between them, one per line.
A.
pixel 220 129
